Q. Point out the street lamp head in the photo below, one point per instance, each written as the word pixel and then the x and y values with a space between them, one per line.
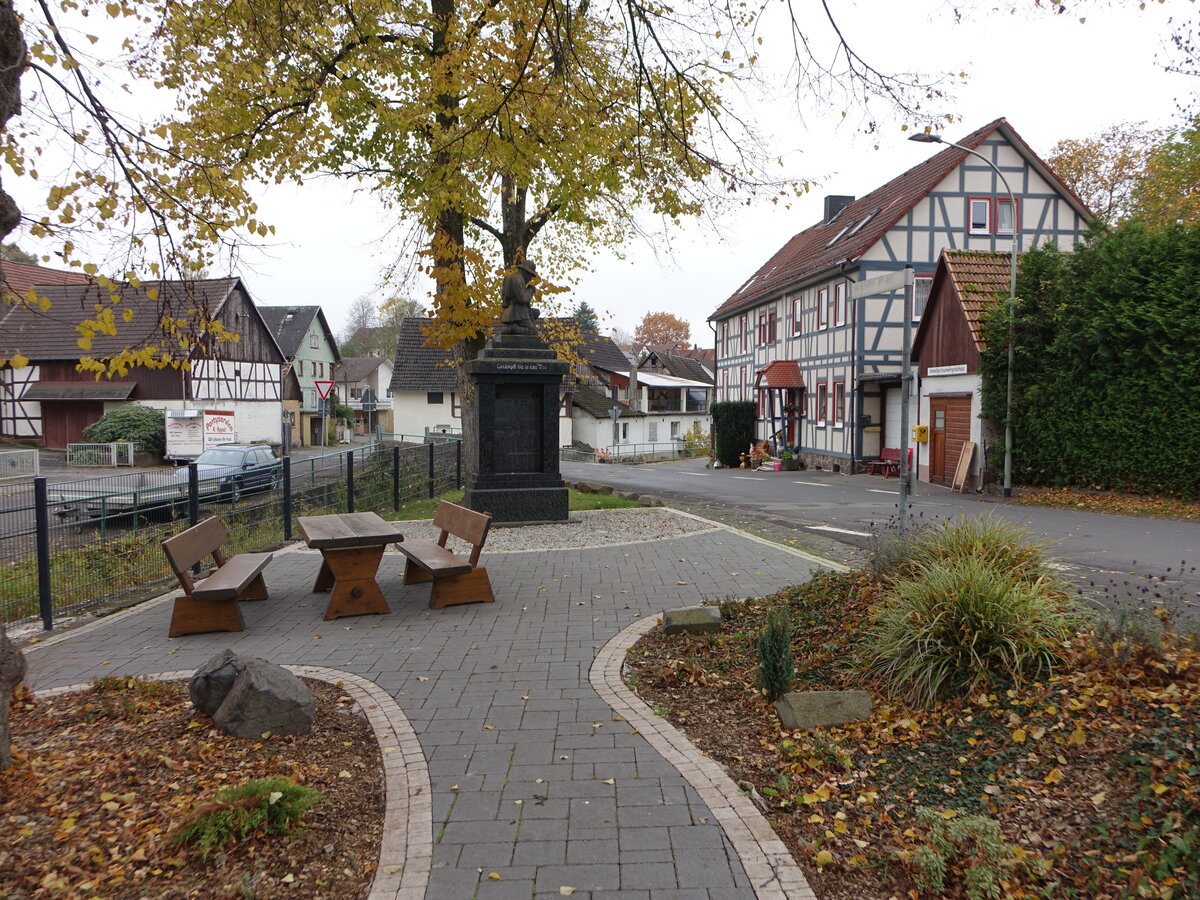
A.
pixel 924 138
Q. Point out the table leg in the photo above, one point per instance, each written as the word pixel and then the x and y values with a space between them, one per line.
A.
pixel 355 590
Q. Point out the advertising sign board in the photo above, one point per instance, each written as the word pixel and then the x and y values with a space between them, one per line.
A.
pixel 192 431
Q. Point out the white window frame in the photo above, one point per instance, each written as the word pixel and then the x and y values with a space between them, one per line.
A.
pixel 985 204
pixel 839 303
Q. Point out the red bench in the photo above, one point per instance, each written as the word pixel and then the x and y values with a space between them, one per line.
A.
pixel 888 463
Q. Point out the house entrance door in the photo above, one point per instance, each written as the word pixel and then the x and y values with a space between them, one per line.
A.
pixel 949 429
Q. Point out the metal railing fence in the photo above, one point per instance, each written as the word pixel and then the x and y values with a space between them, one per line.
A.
pixel 19 464
pixel 635 453
pixel 70 547
pixel 111 454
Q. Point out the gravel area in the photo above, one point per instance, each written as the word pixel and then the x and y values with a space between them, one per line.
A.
pixel 592 528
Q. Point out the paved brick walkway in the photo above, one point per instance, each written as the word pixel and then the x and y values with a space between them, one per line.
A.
pixel 534 774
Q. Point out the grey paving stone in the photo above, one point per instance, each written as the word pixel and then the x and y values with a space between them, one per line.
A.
pixel 453 671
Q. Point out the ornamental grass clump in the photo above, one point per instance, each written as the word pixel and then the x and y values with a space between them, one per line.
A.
pixel 1002 546
pixel 269 805
pixel 776 666
pixel 974 602
pixel 953 626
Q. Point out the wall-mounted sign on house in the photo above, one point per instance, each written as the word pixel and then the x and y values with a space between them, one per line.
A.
pixel 192 431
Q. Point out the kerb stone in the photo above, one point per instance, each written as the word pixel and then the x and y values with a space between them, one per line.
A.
pixel 266 697
pixel 819 709
pixel 691 619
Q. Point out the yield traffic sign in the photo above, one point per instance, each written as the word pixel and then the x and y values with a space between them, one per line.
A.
pixel 323 388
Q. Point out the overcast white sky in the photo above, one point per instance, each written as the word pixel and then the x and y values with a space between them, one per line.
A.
pixel 1050 76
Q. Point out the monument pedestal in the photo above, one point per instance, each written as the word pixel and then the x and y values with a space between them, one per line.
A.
pixel 510 433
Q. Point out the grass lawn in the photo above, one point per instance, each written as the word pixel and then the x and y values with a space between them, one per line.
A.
pixel 424 509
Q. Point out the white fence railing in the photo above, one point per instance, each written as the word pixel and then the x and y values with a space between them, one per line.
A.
pixel 114 454
pixel 18 464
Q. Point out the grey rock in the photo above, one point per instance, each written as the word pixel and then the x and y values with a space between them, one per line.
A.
pixel 12 673
pixel 211 682
pixel 604 489
pixel 691 619
pixel 266 697
pixel 647 500
pixel 803 710
pixel 586 487
pixel 626 495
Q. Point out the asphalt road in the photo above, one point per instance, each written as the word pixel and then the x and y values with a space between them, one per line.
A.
pixel 851 508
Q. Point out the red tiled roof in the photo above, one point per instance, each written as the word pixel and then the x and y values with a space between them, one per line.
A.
pixel 51 334
pixel 980 280
pixel 782 373
pixel 819 248
pixel 20 278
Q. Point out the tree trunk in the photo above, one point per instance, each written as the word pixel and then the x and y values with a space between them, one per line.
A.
pixel 12 672
pixel 12 63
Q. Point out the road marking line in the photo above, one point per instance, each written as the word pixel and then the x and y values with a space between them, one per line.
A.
pixel 748 477
pixel 878 491
pixel 814 483
pixel 695 474
pixel 838 530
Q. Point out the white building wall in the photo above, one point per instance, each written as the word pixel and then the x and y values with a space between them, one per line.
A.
pixel 932 385
pixel 412 412
pixel 256 421
pixel 13 410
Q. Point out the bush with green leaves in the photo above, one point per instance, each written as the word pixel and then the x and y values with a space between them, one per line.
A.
pixel 267 805
pixel 733 425
pixel 777 668
pixel 140 424
pixel 967 844
pixel 999 544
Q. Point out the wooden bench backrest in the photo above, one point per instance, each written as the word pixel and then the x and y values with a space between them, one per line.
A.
pixel 463 523
pixel 893 453
pixel 189 547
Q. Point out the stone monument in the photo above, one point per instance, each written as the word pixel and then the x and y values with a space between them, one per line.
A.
pixel 510 427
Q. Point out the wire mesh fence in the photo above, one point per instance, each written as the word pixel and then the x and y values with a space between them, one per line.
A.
pixel 70 547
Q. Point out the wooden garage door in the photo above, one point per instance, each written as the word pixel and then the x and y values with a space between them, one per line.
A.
pixel 949 429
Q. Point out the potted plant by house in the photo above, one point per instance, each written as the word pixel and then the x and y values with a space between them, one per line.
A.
pixel 788 461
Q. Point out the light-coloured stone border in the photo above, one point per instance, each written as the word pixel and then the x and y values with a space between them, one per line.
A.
pixel 771 869
pixel 406 847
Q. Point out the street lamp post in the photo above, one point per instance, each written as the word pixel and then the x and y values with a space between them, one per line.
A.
pixel 1012 296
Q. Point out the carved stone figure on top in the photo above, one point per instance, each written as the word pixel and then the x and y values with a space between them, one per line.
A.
pixel 517 316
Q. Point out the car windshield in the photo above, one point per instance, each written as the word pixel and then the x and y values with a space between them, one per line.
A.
pixel 221 457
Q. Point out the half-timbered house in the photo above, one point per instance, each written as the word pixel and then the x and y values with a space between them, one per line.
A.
pixel 839 404
pixel 49 400
pixel 311 353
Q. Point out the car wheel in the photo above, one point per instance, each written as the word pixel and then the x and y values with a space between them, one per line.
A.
pixel 235 490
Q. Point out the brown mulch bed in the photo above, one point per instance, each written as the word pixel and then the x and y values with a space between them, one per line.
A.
pixel 1093 776
pixel 102 779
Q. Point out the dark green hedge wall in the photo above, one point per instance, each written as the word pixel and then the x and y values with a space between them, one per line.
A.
pixel 733 423
pixel 1106 380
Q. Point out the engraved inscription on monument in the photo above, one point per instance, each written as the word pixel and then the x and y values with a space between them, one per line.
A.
pixel 518 428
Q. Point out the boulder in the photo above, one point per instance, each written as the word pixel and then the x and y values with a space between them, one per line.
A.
pixel 647 500
pixel 586 487
pixel 266 697
pixel 625 495
pixel 604 489
pixel 819 709
pixel 212 681
pixel 12 673
pixel 691 619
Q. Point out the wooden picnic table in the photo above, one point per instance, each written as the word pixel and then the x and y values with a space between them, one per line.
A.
pixel 351 546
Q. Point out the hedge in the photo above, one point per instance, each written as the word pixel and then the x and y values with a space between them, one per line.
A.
pixel 733 423
pixel 1106 377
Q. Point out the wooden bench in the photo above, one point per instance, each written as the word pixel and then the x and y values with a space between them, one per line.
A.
pixel 211 604
pixel 455 580
pixel 888 463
